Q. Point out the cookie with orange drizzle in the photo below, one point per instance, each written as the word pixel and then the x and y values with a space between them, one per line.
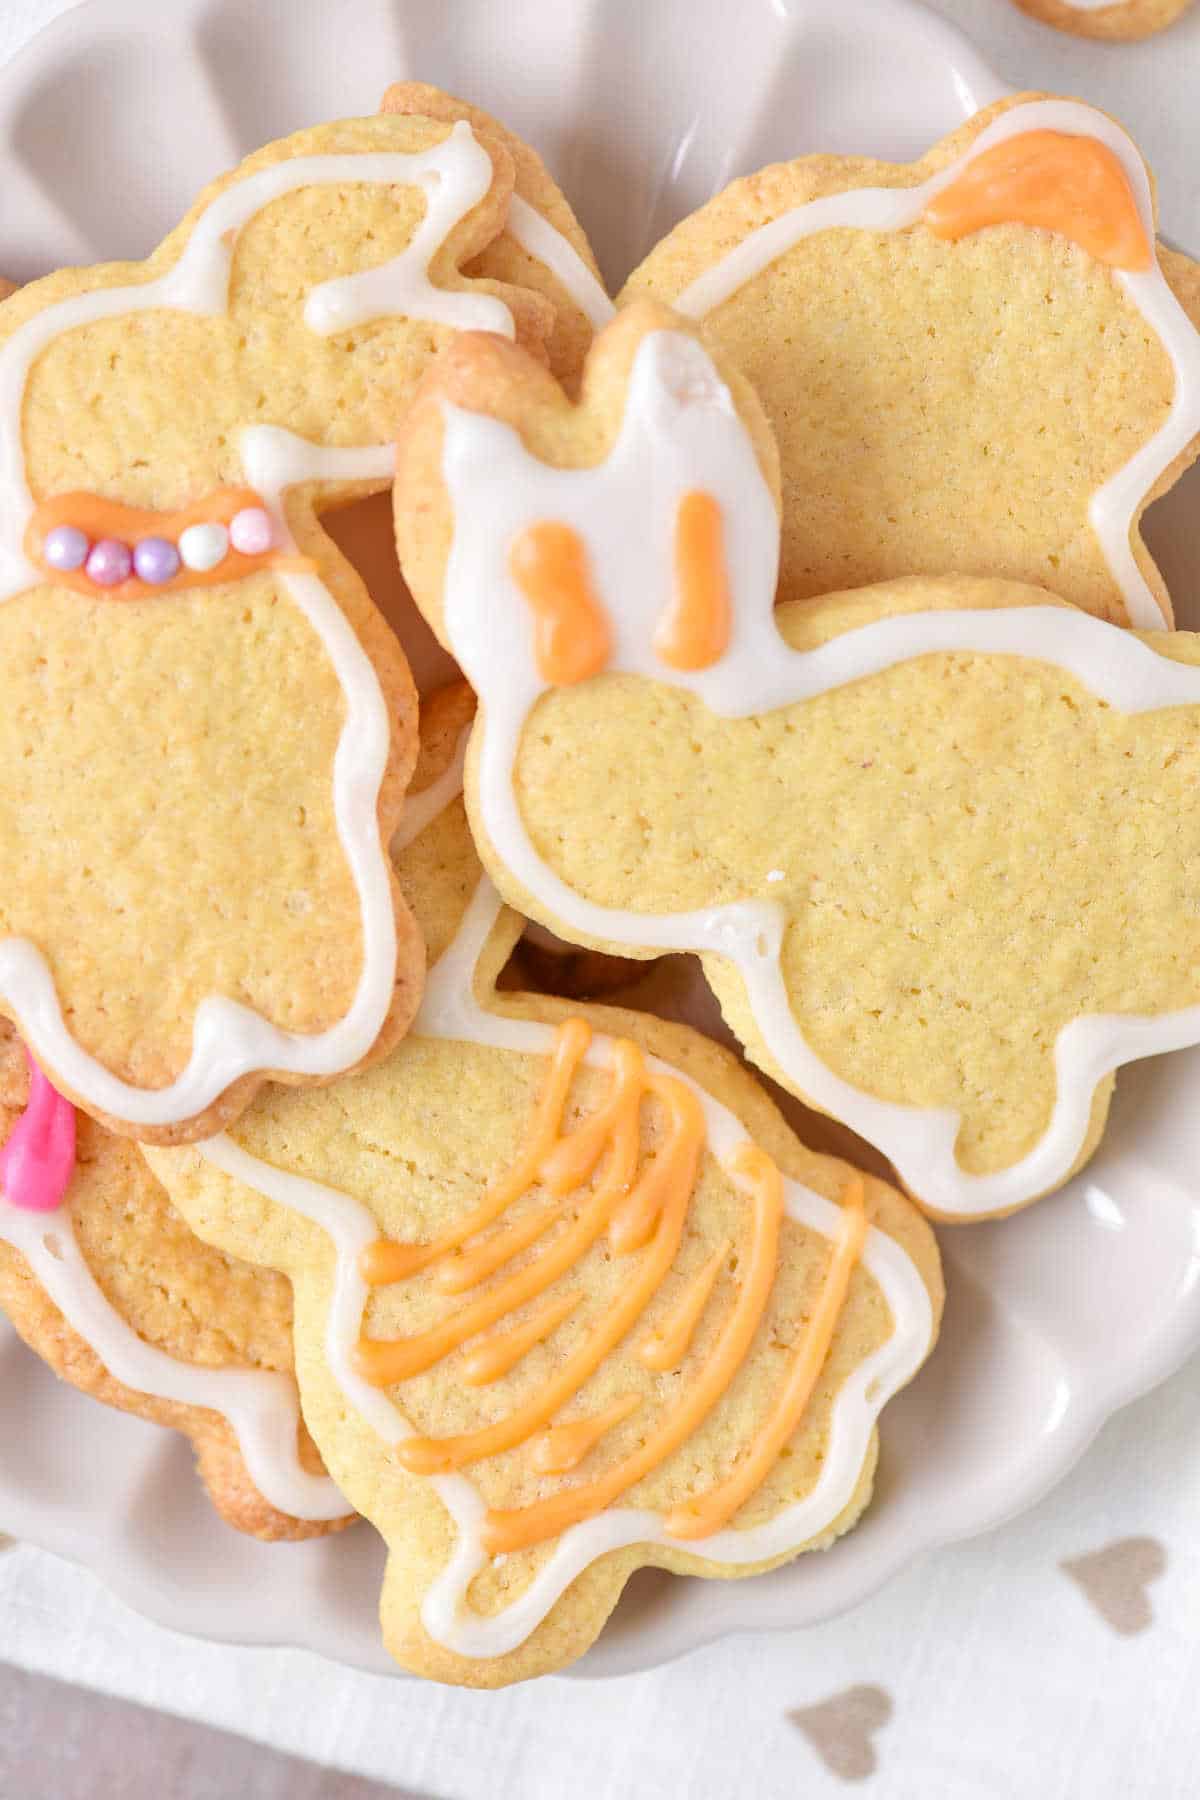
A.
pixel 979 363
pixel 570 1297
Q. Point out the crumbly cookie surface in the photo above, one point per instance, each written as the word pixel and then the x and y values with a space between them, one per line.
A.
pixel 418 1140
pixel 940 405
pixel 169 791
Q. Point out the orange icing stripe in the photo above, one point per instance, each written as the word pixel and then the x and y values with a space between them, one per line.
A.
pixel 706 1513
pixel 565 1446
pixel 519 1527
pixel 504 1349
pixel 1071 184
pixel 666 1347
pixel 572 638
pixel 646 1214
pixel 101 518
pixel 694 630
pixel 384 1262
pixel 681 1155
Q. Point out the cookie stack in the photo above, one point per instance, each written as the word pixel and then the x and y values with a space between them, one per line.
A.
pixel 803 628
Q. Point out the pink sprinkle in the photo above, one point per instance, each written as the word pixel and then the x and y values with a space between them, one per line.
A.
pixel 251 531
pixel 109 563
pixel 37 1162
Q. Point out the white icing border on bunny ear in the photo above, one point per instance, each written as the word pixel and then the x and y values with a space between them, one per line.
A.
pixel 450 1011
pixel 681 432
pixel 260 1405
pixel 1114 505
pixel 541 240
pixel 229 1039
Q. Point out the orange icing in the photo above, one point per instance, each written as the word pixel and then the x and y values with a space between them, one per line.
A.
pixel 591 1174
pixel 706 1513
pixel 680 1157
pixel 519 1527
pixel 1071 184
pixel 666 1347
pixel 101 518
pixel 694 630
pixel 497 1354
pixel 571 639
pixel 565 1446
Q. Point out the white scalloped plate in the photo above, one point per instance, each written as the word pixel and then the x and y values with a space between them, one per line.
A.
pixel 109 122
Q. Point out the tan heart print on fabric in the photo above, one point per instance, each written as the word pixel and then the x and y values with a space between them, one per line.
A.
pixel 840 1729
pixel 1115 1580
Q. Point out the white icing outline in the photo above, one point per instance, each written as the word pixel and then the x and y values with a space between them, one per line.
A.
pixel 547 245
pixel 450 1011
pixel 229 1040
pixel 681 431
pixel 1113 505
pixel 260 1405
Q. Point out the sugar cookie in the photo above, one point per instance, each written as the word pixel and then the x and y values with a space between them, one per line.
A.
pixel 121 1299
pixel 936 840
pixel 570 1298
pixel 543 246
pixel 974 364
pixel 1115 20
pixel 207 728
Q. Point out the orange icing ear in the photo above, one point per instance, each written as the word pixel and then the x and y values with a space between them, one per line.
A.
pixel 694 631
pixel 572 640
pixel 1074 185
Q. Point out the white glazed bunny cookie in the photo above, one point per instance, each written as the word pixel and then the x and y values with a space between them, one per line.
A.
pixel 570 1297
pixel 206 728
pixel 936 840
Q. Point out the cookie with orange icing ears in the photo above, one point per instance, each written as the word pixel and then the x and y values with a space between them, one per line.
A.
pixel 974 364
pixel 207 728
pixel 543 247
pixel 936 840
pixel 104 1280
pixel 1117 21
pixel 570 1297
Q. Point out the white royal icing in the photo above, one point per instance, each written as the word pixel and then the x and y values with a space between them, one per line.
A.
pixel 539 239
pixel 230 1040
pixel 449 1010
pixel 680 432
pixel 260 1405
pixel 1114 504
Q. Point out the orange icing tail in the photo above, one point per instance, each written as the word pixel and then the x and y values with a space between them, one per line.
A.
pixel 1074 185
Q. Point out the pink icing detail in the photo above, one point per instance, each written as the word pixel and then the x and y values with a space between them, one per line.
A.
pixel 38 1160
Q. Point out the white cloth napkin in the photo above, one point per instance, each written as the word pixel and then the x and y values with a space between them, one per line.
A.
pixel 987 1670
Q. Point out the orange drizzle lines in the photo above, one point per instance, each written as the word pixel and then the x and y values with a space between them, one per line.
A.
pixel 680 1156
pixel 1071 184
pixel 666 1347
pixel 571 638
pixel 518 1527
pixel 564 1446
pixel 645 1214
pixel 383 1261
pixel 496 1355
pixel 706 1513
pixel 101 518
pixel 694 630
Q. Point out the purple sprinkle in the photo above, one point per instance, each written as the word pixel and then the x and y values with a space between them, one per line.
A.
pixel 65 547
pixel 109 563
pixel 155 560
